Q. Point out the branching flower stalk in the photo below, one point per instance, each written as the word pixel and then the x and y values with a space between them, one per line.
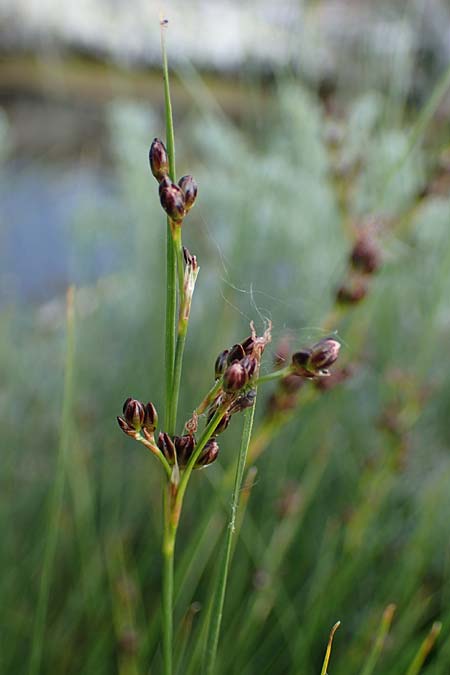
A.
pixel 236 378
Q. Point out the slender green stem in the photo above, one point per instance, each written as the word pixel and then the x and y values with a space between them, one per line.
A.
pixel 424 649
pixel 328 650
pixel 212 639
pixel 179 353
pixel 206 435
pixel 276 375
pixel 209 398
pixel 171 267
pixel 56 497
pixel 378 645
pixel 168 552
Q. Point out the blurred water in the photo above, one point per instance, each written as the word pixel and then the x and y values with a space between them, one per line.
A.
pixel 48 237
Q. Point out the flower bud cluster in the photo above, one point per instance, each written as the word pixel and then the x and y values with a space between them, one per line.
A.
pixel 176 200
pixel 236 369
pixel 179 449
pixel 363 262
pixel 140 421
pixel 138 418
pixel 307 363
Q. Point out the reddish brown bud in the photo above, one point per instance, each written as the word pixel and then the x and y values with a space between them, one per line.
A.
pixel 351 294
pixel 172 201
pixel 167 447
pixel 159 162
pixel 365 255
pixel 184 446
pixel 224 422
pixel 221 363
pixel 245 401
pixel 209 453
pixel 126 427
pixel 300 362
pixel 324 353
pixel 133 412
pixel 190 189
pixel 234 377
pixel 249 364
pixel 236 353
pixel 150 418
pixel 248 344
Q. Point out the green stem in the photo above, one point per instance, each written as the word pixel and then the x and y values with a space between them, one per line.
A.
pixel 171 267
pixel 56 496
pixel 276 375
pixel 212 639
pixel 378 645
pixel 206 435
pixel 179 352
pixel 209 398
pixel 168 551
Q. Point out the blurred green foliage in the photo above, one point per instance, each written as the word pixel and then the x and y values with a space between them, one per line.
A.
pixel 363 471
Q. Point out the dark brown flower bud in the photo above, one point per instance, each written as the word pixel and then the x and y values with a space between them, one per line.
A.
pixel 172 201
pixel 245 401
pixel 365 255
pixel 300 362
pixel 167 447
pixel 248 344
pixel 221 363
pixel 165 183
pixel 209 453
pixel 234 377
pixel 150 418
pixel 224 422
pixel 184 446
pixel 159 162
pixel 190 189
pixel 236 353
pixel 249 364
pixel 324 353
pixel 133 412
pixel 351 294
pixel 126 427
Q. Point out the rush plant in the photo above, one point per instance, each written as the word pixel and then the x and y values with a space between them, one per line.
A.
pixel 193 445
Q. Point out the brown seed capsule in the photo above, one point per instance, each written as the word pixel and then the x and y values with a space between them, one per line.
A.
pixel 234 377
pixel 248 344
pixel 365 255
pixel 323 354
pixel 209 453
pixel 243 402
pixel 249 364
pixel 351 294
pixel 190 189
pixel 167 447
pixel 133 412
pixel 300 362
pixel 150 418
pixel 221 363
pixel 236 353
pixel 126 427
pixel 159 162
pixel 172 201
pixel 184 446
pixel 224 422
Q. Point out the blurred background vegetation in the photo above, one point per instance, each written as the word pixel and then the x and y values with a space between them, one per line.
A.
pixel 302 122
